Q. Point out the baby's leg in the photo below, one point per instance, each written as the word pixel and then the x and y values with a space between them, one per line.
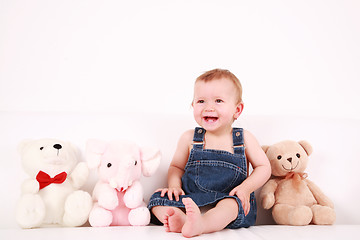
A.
pixel 172 218
pixel 213 220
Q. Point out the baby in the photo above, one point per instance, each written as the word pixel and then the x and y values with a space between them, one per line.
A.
pixel 210 165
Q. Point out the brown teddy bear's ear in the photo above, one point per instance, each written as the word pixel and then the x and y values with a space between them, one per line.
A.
pixel 265 148
pixel 307 147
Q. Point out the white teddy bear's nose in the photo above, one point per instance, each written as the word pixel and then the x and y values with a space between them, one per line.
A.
pixel 57 146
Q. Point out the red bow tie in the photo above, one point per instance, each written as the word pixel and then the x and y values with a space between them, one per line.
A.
pixel 44 179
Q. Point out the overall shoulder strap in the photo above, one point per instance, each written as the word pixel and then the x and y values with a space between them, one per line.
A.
pixel 198 140
pixel 239 145
pixel 238 138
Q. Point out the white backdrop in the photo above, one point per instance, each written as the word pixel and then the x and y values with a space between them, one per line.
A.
pixel 292 57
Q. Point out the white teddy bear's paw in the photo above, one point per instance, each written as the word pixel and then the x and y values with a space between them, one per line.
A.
pixel 77 208
pixel 139 216
pixel 30 186
pixel 100 217
pixel 30 211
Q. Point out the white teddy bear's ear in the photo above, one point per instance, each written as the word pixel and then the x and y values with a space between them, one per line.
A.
pixel 94 151
pixel 22 145
pixel 150 160
pixel 74 149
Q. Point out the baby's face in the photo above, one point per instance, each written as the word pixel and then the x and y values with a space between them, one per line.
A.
pixel 215 104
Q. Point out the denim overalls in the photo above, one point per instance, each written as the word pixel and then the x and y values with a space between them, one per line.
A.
pixel 210 175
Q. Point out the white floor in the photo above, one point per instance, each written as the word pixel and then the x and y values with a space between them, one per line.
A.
pixel 275 232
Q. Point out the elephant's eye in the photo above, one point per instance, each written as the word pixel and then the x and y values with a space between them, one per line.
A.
pixel 279 157
pixel 109 165
pixel 135 162
pixel 41 148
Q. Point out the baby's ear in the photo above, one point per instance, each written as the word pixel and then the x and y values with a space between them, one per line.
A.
pixel 239 110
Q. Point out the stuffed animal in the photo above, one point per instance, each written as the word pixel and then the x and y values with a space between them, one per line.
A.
pixel 118 194
pixel 294 199
pixel 50 195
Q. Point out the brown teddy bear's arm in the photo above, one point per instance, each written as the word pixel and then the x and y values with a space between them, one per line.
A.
pixel 320 197
pixel 267 195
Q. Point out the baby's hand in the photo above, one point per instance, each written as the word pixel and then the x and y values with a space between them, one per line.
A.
pixel 244 198
pixel 170 192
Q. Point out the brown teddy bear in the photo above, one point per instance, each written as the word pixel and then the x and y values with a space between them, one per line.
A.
pixel 295 200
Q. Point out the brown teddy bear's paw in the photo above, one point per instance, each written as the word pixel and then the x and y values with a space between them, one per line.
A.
pixel 300 216
pixel 291 215
pixel 323 215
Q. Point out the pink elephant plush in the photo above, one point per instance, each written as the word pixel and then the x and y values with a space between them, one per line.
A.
pixel 118 194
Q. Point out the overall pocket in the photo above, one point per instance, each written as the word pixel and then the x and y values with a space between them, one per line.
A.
pixel 217 176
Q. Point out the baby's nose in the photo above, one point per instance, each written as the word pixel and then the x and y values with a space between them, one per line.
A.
pixel 209 107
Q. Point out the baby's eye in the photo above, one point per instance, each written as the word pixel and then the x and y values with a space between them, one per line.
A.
pixel 219 101
pixel 200 101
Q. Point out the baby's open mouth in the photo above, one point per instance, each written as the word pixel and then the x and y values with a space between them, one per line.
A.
pixel 210 119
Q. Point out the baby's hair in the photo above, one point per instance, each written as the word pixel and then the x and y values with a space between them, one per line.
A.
pixel 217 74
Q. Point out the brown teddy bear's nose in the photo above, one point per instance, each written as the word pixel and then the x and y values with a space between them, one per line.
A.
pixel 289 159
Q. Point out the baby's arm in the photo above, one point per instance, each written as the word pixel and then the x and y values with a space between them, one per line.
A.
pixel 260 174
pixel 177 166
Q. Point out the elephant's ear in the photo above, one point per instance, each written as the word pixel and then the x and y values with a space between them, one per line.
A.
pixel 150 158
pixel 94 151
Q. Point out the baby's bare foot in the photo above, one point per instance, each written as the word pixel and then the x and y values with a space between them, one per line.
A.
pixel 174 220
pixel 193 225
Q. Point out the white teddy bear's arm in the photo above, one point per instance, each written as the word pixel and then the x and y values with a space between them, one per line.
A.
pixel 106 196
pixel 267 194
pixel 30 186
pixel 79 175
pixel 133 197
pixel 320 197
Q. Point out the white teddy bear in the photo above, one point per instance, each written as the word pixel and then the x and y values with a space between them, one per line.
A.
pixel 51 196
